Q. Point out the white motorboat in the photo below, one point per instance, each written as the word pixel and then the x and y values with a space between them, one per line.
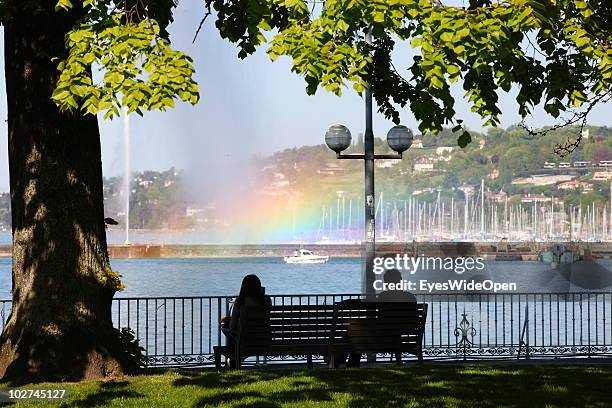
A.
pixel 304 256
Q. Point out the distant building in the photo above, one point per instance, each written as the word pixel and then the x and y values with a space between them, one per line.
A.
pixel 500 197
pixel 585 133
pixel 424 164
pixel 444 150
pixel 543 179
pixel 534 198
pixel 602 175
pixel 423 167
pixel 582 164
pixel 417 144
pixel 426 190
pixel 549 165
pixel 467 190
pixel 481 143
pixel 270 167
pixel 539 198
pixel 493 174
pixel 193 211
pixel 387 163
pixel 280 183
pixel 575 185
pixel 331 169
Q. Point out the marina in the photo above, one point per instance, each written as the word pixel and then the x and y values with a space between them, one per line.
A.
pixel 480 215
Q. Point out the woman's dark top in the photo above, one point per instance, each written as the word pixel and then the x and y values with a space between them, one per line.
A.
pixel 262 300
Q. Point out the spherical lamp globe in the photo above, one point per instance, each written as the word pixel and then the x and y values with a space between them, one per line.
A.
pixel 400 138
pixel 338 138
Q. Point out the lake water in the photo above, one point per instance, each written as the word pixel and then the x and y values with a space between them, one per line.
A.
pixel 222 276
pixel 188 327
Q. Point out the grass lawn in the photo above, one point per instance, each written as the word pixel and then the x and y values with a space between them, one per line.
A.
pixel 424 386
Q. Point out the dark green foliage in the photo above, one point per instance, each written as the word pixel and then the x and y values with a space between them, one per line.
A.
pixel 161 11
pixel 131 347
pixel 240 21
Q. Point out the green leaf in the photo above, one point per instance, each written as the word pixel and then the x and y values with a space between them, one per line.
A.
pixel 379 17
pixel 465 139
pixel 446 36
pixel 63 5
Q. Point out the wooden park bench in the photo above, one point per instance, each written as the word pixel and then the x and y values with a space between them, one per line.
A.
pixel 349 327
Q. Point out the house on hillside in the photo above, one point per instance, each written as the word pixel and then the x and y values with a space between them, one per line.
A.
pixel 417 144
pixel 467 190
pixel 423 191
pixel 575 185
pixel 500 197
pixel 331 169
pixel 387 163
pixel 145 183
pixel 539 198
pixel 270 167
pixel 193 211
pixel 602 175
pixel 423 165
pixel 444 150
pixel 543 179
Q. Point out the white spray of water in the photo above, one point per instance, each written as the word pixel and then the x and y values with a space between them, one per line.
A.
pixel 126 171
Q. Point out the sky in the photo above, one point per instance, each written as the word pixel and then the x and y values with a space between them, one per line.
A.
pixel 247 107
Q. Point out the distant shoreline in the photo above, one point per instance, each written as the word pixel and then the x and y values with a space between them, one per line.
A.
pixel 518 251
pixel 489 251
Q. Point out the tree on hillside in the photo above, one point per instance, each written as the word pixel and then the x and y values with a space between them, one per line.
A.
pixel 60 323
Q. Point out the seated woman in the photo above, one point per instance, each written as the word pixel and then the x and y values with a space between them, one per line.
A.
pixel 251 294
pixel 393 276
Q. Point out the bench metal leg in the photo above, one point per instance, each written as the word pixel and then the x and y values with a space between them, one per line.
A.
pixel 309 360
pixel 217 352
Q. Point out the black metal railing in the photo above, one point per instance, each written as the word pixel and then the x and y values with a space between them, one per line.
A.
pixel 182 331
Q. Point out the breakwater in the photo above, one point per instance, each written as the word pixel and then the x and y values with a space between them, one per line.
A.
pixel 510 251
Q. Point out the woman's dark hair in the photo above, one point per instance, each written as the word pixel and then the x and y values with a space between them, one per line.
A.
pixel 393 276
pixel 251 287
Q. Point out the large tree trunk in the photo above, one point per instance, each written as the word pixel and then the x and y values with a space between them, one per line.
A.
pixel 60 326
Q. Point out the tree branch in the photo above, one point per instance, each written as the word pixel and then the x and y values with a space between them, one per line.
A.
pixel 201 24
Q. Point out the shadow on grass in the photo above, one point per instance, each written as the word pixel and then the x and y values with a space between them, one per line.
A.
pixel 108 392
pixel 462 386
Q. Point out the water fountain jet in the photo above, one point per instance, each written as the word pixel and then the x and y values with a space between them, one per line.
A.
pixel 126 172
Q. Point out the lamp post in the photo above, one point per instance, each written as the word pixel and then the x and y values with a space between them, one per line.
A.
pixel 338 139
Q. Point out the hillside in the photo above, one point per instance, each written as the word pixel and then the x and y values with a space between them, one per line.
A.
pixel 503 158
pixel 309 183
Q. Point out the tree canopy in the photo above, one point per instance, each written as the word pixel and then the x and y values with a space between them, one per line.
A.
pixel 555 52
